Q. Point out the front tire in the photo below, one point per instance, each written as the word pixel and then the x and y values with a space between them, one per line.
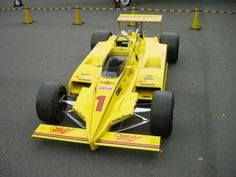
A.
pixel 161 116
pixel 99 36
pixel 48 108
pixel 172 41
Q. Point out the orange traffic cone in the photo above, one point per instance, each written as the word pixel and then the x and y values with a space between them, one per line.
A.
pixel 28 19
pixel 195 23
pixel 77 20
pixel 133 24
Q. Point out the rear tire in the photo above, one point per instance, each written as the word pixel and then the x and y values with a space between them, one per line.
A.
pixel 172 41
pixel 161 116
pixel 99 36
pixel 48 108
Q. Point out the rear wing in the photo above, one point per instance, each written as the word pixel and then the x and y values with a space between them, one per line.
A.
pixel 139 18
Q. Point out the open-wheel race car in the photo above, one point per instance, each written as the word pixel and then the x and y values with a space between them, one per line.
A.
pixel 122 77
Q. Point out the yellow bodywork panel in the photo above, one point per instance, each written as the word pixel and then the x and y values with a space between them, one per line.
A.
pixel 153 62
pixel 88 70
pixel 152 72
pixel 83 103
pixel 105 103
pixel 150 77
pixel 110 139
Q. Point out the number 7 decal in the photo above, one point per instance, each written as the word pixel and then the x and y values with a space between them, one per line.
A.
pixel 101 100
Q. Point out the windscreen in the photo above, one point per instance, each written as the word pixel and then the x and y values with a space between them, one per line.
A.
pixel 114 66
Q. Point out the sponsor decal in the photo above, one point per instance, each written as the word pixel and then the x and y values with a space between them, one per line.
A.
pixel 46 135
pixel 107 82
pixel 126 137
pixel 147 84
pixel 142 82
pixel 85 74
pixel 88 80
pixel 118 91
pixel 121 118
pixel 82 78
pixel 105 88
pixel 148 77
pixel 146 18
pixel 61 130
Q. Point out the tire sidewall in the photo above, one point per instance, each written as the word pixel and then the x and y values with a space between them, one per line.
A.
pixel 48 108
pixel 161 116
pixel 172 41
pixel 99 36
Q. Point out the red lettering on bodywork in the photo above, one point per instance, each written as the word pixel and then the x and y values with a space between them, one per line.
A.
pixel 125 137
pixel 60 130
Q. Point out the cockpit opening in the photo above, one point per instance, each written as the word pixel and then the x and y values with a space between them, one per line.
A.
pixel 113 66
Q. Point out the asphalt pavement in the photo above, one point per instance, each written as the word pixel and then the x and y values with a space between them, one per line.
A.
pixel 203 140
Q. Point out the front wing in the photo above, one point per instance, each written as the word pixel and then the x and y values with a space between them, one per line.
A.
pixel 110 139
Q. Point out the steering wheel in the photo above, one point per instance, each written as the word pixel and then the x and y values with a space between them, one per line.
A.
pixel 119 36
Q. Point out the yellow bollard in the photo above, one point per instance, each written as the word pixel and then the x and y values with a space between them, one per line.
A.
pixel 28 19
pixel 195 23
pixel 133 24
pixel 77 20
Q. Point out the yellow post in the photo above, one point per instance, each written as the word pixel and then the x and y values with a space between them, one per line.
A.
pixel 195 23
pixel 77 20
pixel 28 19
pixel 133 24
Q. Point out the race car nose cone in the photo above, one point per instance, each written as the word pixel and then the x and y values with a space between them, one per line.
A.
pixel 93 136
pixel 95 133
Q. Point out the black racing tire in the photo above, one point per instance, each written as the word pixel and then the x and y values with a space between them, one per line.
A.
pixel 48 108
pixel 161 116
pixel 125 3
pixel 172 41
pixel 99 36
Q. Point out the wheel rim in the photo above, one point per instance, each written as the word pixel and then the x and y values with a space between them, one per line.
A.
pixel 60 107
pixel 124 2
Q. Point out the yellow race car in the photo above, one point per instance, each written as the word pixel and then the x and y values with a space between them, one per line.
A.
pixel 123 77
